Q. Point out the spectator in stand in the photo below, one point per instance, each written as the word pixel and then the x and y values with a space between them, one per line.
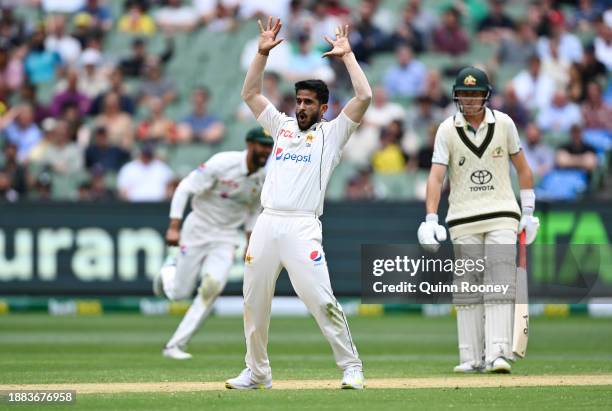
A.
pixel 156 85
pixel 434 90
pixel 597 114
pixel 560 115
pixel 157 126
pixel 21 130
pixel 407 77
pixel 360 187
pixel 603 41
pixel 576 88
pixel 99 13
pixel 576 154
pixel 176 17
pixel 591 68
pixel 7 193
pixel 305 63
pixel 366 38
pixel 136 20
pixel 102 155
pixel 321 24
pixel 496 25
pixel 586 15
pixel 517 49
pixel 382 112
pixel 63 156
pixel 72 95
pixel 126 102
pixel 407 33
pixel 61 6
pixel 201 125
pixel 270 89
pixel 41 64
pixel 11 67
pixel 389 158
pixel 539 156
pixel 424 114
pixel 450 37
pixel 570 47
pixel 98 191
pixel 12 28
pixel 59 41
pixel 92 80
pixel 533 89
pixel 17 173
pixel 513 107
pixel 425 153
pixel 555 67
pixel 118 123
pixel 217 15
pixel 423 21
pixel 134 64
pixel 27 95
pixel 144 178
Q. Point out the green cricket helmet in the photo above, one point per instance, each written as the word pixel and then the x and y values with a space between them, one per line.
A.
pixel 471 79
pixel 259 135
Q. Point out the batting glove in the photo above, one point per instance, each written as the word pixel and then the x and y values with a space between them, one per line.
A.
pixel 430 232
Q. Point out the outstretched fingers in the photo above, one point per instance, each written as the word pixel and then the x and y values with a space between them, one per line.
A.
pixel 261 27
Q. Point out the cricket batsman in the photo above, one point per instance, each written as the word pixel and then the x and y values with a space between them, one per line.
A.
pixel 288 232
pixel 476 146
pixel 224 197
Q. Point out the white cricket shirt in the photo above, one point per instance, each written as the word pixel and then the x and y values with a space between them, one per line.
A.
pixel 224 198
pixel 302 161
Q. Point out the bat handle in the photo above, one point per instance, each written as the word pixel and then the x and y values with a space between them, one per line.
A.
pixel 523 249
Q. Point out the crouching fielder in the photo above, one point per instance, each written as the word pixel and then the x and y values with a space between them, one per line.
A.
pixel 225 196
pixel 475 146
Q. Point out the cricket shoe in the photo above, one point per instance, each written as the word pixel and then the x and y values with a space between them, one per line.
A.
pixel 176 353
pixel 467 368
pixel 158 285
pixel 246 381
pixel 353 379
pixel 499 366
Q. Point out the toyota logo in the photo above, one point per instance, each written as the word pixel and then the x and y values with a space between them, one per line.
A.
pixel 481 177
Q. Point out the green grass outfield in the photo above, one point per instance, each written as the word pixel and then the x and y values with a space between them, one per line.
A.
pixel 41 349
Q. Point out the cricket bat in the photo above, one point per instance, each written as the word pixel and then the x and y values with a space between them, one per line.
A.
pixel 520 334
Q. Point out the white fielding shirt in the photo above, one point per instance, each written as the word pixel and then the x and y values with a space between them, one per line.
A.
pixel 224 198
pixel 302 161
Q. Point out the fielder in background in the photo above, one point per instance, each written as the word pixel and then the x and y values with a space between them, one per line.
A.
pixel 225 197
pixel 476 146
pixel 288 232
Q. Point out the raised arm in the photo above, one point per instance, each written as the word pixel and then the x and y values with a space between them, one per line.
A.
pixel 357 106
pixel 251 90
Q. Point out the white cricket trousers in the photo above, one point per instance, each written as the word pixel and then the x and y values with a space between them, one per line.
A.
pixel 291 240
pixel 214 261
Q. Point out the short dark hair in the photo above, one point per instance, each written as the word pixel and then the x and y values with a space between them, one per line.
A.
pixel 318 86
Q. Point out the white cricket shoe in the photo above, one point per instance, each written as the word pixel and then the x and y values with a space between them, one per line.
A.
pixel 245 381
pixel 176 353
pixel 467 368
pixel 158 285
pixel 353 379
pixel 499 366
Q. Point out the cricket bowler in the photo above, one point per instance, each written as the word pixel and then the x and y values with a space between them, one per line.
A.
pixel 225 195
pixel 476 146
pixel 288 232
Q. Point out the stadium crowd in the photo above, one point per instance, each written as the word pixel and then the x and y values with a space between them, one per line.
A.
pixel 101 136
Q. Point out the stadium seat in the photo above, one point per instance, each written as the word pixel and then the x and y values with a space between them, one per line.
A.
pixel 562 185
pixel 401 186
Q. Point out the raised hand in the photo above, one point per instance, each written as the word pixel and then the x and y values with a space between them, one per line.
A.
pixel 341 45
pixel 267 35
